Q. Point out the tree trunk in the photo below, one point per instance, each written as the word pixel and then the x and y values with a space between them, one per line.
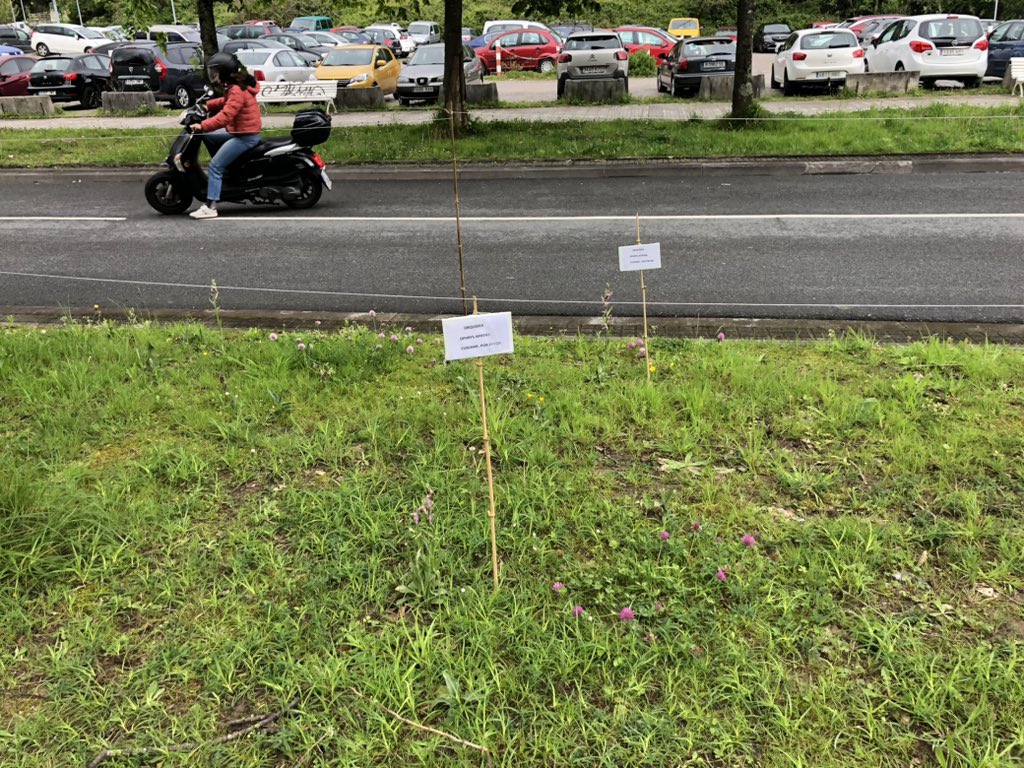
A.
pixel 454 73
pixel 743 87
pixel 207 27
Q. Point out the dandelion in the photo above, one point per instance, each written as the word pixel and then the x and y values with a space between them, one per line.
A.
pixel 626 615
pixel 577 611
pixel 300 346
pixel 696 527
pixel 748 540
pixel 410 349
pixel 273 337
pixel 721 575
pixel 664 535
pixel 558 586
pixel 394 337
pixel 721 336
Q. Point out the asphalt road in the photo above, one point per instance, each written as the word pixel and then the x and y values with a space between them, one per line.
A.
pixel 921 247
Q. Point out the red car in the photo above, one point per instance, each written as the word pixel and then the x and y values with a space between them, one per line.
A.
pixel 14 75
pixel 649 39
pixel 521 49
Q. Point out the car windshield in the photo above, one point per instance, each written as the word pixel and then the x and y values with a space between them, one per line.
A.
pixel 51 65
pixel 591 43
pixel 349 57
pixel 428 55
pixel 949 29
pixel 775 29
pixel 251 57
pixel 829 40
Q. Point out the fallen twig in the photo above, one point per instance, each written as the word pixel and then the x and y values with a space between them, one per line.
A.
pixel 427 728
pixel 255 725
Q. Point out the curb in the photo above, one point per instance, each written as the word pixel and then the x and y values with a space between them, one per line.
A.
pixel 891 332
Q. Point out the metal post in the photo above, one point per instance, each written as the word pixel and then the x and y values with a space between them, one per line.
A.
pixel 79 7
pixel 174 14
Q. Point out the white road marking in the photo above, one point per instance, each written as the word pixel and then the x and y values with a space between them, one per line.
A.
pixel 63 218
pixel 248 218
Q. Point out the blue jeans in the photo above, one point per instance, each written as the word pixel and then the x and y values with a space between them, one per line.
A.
pixel 224 149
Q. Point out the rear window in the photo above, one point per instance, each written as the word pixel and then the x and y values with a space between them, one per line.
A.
pixel 776 29
pixel 829 40
pixel 132 56
pixel 709 48
pixel 950 29
pixel 684 24
pixel 184 54
pixel 590 43
pixel 51 65
pixel 254 58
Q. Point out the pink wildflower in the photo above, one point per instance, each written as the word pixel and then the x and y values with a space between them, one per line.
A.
pixel 642 352
pixel 300 346
pixel 558 586
pixel 371 313
pixel 410 349
pixel 721 575
pixel 577 611
pixel 632 345
pixel 721 336
pixel 664 535
pixel 626 615
pixel 381 335
pixel 408 329
pixel 748 540
pixel 273 337
pixel 394 337
pixel 696 527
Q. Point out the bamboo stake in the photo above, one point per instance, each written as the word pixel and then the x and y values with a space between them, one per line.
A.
pixel 487 458
pixel 458 213
pixel 643 291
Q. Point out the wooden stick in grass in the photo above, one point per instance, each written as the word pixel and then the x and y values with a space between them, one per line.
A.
pixel 643 292
pixel 487 457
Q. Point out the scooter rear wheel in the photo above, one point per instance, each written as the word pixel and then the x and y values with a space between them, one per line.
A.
pixel 311 188
pixel 167 194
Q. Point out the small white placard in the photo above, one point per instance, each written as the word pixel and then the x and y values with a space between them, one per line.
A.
pixel 477 335
pixel 639 256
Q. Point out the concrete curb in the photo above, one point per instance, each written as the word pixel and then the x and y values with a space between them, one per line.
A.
pixel 548 325
pixel 764 166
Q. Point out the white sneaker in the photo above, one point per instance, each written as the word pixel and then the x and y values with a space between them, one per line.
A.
pixel 204 212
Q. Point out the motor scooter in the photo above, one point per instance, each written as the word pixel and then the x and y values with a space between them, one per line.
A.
pixel 283 170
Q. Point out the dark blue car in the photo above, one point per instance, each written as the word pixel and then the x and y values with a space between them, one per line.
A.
pixel 1005 42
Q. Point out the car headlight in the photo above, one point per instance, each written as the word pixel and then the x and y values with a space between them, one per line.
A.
pixel 438 79
pixel 404 79
pixel 360 78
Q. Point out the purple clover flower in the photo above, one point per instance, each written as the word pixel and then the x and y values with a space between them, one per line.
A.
pixel 664 535
pixel 626 615
pixel 748 540
pixel 577 611
pixel 558 586
pixel 721 575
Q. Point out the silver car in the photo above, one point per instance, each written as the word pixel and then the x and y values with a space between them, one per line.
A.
pixel 422 78
pixel 592 56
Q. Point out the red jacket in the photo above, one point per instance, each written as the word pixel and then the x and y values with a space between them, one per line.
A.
pixel 237 111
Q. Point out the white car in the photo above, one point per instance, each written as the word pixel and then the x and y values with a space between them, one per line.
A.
pixel 404 39
pixel 816 57
pixel 424 32
pixel 65 38
pixel 939 46
pixel 275 65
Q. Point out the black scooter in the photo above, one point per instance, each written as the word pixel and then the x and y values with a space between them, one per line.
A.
pixel 275 170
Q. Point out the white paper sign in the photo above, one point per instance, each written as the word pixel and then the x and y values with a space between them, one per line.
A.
pixel 639 256
pixel 477 335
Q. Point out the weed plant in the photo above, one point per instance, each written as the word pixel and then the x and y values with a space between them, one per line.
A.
pixel 771 554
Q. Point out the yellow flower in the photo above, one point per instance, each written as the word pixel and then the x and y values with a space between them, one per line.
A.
pixel 540 399
pixel 529 395
pixel 653 369
pixel 205 354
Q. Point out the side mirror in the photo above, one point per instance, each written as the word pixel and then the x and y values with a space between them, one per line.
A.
pixel 378 64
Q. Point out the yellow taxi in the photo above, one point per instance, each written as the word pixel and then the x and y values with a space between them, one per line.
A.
pixel 361 66
pixel 684 27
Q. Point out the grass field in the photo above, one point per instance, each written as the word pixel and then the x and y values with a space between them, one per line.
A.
pixel 771 555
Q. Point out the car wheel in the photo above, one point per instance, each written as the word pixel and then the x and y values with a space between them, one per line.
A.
pixel 166 194
pixel 972 82
pixel 545 66
pixel 775 83
pixel 310 191
pixel 182 97
pixel 899 67
pixel 88 50
pixel 560 88
pixel 661 88
pixel 675 90
pixel 403 102
pixel 788 89
pixel 43 49
pixel 625 83
pixel 90 98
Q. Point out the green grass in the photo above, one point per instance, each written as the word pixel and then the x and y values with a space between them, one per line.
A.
pixel 196 526
pixel 931 128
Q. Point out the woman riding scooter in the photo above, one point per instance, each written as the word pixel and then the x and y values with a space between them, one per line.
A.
pixel 234 125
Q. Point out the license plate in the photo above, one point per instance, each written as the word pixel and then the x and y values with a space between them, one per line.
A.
pixel 324 178
pixel 953 51
pixel 714 65
pixel 591 70
pixel 46 93
pixel 134 82
pixel 422 90
pixel 828 75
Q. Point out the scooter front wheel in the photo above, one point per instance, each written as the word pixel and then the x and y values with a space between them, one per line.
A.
pixel 167 194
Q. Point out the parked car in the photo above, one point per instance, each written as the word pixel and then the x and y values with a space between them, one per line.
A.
pixel 468 33
pixel 424 32
pixel 731 32
pixel 692 60
pixel 481 40
pixel 277 66
pixel 312 23
pixel 566 28
pixel 352 36
pixel 245 31
pixel 14 74
pixel 422 78
pixel 173 33
pixel 406 44
pixel 1005 42
pixel 9 50
pixel 15 37
pixel 242 44
pixel 768 37
pixel 301 44
pixel 535 49
pixel 64 38
pixel 507 25
pixel 384 36
pixel 592 56
pixel 683 27
pixel 816 57
pixel 867 30
pixel 76 77
pixel 361 66
pixel 115 33
pixel 330 39
pixel 938 46
pixel 174 75
pixel 650 39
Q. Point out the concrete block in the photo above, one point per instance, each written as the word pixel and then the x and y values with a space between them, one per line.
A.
pixel 127 101
pixel 605 89
pixel 359 98
pixel 720 88
pixel 481 93
pixel 881 82
pixel 26 105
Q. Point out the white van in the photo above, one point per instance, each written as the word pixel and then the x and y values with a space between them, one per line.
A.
pixel 176 33
pixel 504 25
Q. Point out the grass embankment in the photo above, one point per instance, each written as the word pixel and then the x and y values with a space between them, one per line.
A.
pixel 932 128
pixel 820 545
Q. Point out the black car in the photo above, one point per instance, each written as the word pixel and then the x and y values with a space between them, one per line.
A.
pixel 248 31
pixel 16 38
pixel 301 44
pixel 692 60
pixel 770 35
pixel 79 77
pixel 174 75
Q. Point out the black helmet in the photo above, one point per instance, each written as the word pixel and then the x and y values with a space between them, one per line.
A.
pixel 224 64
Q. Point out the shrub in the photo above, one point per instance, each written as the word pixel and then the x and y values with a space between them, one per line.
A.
pixel 642 64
